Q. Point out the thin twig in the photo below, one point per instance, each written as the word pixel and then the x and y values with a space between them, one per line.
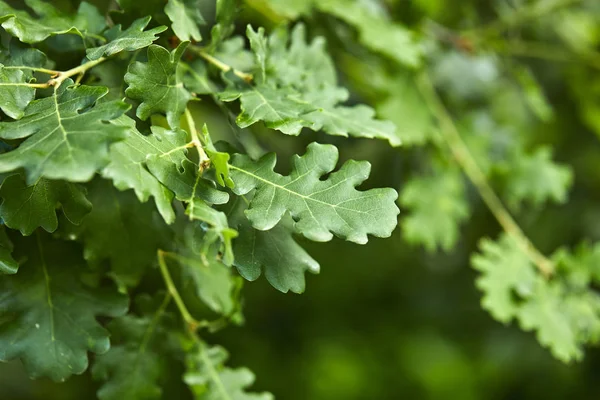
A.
pixel 192 323
pixel 58 77
pixel 466 161
pixel 186 315
pixel 220 64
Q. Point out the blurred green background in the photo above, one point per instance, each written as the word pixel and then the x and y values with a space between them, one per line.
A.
pixel 389 320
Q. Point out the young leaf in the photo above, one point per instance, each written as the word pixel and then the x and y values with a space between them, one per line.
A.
pixel 296 87
pixel 133 368
pixel 437 206
pixel 185 17
pixel 8 265
pixel 66 134
pixel 320 207
pixel 564 316
pixel 131 39
pixel 27 207
pixel 50 22
pixel 210 379
pixel 535 179
pixel 49 316
pixel 219 160
pixel 127 167
pixel 157 85
pixel 563 321
pixel 507 275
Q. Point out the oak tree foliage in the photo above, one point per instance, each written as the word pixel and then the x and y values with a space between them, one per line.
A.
pixel 110 179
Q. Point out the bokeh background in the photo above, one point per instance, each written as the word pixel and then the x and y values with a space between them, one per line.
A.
pixel 390 320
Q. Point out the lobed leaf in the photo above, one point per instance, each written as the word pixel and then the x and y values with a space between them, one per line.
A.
pixel 131 39
pixel 437 205
pixel 133 369
pixel 320 208
pixel 27 207
pixel 535 178
pixel 274 253
pixel 122 231
pixel 184 178
pixel 296 87
pixel 563 315
pixel 210 379
pixel 49 316
pixel 127 167
pixel 50 21
pixel 15 73
pixel 67 134
pixel 185 17
pixel 157 85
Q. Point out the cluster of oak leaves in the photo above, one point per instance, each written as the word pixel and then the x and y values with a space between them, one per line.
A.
pixel 86 148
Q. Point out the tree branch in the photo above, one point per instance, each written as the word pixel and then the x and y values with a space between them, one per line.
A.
pixel 463 157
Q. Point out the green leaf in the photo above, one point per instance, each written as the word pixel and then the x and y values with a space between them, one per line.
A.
pixel 49 316
pixel 296 88
pixel 226 11
pixel 131 39
pixel 437 207
pixel 534 95
pixel 210 379
pixel 127 167
pixel 274 106
pixel 274 252
pixel 563 311
pixel 15 95
pixel 375 31
pixel 406 108
pixel 535 178
pixel 121 230
pixel 50 22
pixel 8 265
pixel 507 275
pixel 185 17
pixel 320 207
pixel 133 368
pixel 27 207
pixel 157 85
pixel 580 267
pixel 182 176
pixel 563 321
pixel 15 73
pixel 218 159
pixel 357 121
pixel 67 137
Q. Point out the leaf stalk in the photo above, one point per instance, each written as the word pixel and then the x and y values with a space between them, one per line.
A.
pixel 463 157
pixel 204 160
pixel 220 64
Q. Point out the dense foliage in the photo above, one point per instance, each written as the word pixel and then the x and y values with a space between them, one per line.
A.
pixel 140 186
